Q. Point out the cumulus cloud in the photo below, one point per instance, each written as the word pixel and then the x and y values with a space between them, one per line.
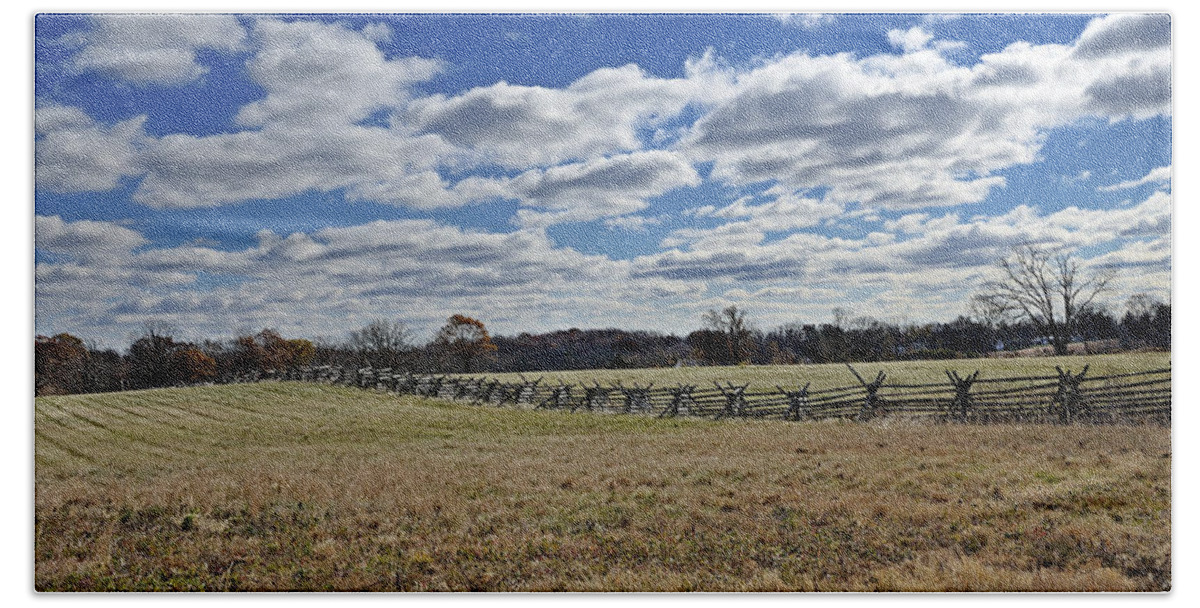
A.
pixel 1158 175
pixel 912 40
pixel 906 248
pixel 84 240
pixel 379 33
pixel 603 187
pixel 324 75
pixel 909 132
pixel 190 171
pixel 787 212
pixel 807 21
pixel 156 49
pixel 1124 33
pixel 74 153
pixel 599 114
pixel 916 130
pixel 321 81
pixel 112 279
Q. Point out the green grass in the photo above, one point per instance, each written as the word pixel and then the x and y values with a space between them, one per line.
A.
pixel 288 486
pixel 829 375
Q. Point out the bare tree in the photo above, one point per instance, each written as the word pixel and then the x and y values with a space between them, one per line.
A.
pixel 840 315
pixel 1047 290
pixel 731 321
pixel 1141 304
pixel 382 343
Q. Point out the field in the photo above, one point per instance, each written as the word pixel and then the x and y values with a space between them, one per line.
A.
pixel 291 486
pixel 829 375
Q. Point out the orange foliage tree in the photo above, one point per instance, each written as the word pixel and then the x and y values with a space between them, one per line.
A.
pixel 268 350
pixel 192 365
pixel 465 340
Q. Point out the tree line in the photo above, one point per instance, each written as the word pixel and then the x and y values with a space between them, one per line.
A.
pixel 66 364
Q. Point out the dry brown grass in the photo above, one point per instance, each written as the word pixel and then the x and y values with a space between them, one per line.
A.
pixel 302 487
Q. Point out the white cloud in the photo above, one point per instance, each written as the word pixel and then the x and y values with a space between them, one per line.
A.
pixel 911 40
pixel 84 240
pixel 600 188
pixel 324 75
pixel 522 126
pixel 74 153
pixel 939 253
pixel 1158 175
pixel 807 21
pixel 111 280
pixel 377 32
pixel 1124 33
pixel 916 130
pixel 787 212
pixel 321 80
pixel 156 49
pixel 631 223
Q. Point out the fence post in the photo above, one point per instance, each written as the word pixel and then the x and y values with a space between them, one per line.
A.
pixel 1067 398
pixel 872 401
pixel 797 402
pixel 527 391
pixel 961 407
pixel 679 395
pixel 595 396
pixel 636 398
pixel 735 401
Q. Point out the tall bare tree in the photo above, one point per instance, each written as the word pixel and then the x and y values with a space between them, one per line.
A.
pixel 382 343
pixel 731 322
pixel 1046 289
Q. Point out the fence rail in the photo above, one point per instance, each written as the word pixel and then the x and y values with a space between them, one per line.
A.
pixel 1063 398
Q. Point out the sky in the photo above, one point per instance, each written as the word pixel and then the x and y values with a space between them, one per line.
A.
pixel 311 173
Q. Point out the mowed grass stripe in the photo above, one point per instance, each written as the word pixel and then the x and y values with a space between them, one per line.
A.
pixel 107 442
pixel 183 418
pixel 272 414
pixel 61 446
pixel 133 416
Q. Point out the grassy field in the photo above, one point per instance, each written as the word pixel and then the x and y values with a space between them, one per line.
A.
pixel 829 375
pixel 304 487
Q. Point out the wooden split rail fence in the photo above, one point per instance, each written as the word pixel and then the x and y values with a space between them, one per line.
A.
pixel 1063 398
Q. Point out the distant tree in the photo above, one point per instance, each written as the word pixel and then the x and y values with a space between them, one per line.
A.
pixel 1147 322
pixel 1048 291
pixel 832 345
pixel 1141 304
pixel 382 343
pixel 301 351
pixel 1161 327
pixel 731 324
pixel 60 364
pixel 709 346
pixel 840 316
pixel 151 360
pixel 268 350
pixel 464 340
pixel 192 365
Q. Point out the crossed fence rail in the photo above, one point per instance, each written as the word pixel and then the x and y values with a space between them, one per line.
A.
pixel 1063 398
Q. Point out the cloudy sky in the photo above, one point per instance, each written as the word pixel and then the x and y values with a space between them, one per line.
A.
pixel 311 173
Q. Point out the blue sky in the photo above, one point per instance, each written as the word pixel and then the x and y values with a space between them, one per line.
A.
pixel 311 173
